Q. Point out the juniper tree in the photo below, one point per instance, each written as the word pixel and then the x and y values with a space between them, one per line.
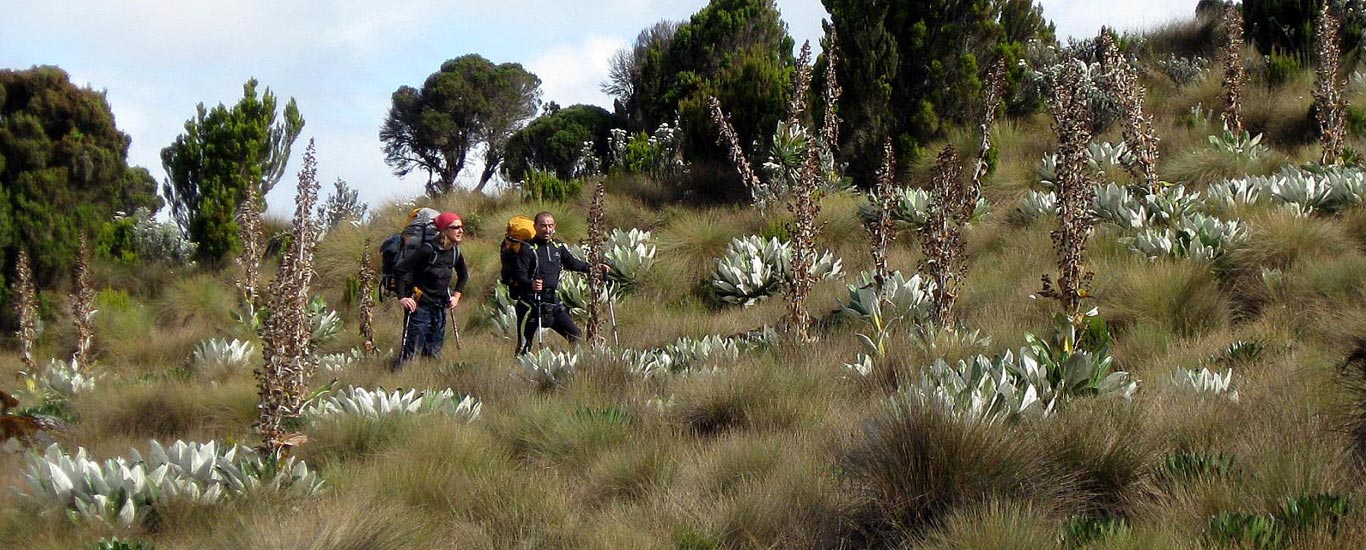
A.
pixel 223 152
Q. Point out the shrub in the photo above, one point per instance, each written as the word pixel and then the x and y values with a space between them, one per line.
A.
pixel 545 186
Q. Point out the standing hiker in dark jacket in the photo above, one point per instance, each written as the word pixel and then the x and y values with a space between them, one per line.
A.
pixel 425 291
pixel 534 273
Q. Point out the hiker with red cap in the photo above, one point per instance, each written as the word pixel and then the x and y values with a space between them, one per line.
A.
pixel 425 291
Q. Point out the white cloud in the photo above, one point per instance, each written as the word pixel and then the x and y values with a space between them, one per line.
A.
pixel 1084 18
pixel 571 73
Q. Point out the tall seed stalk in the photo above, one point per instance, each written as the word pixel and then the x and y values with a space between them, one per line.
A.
pixel 1076 192
pixel 26 307
pixel 249 232
pixel 289 361
pixel 1139 135
pixel 1234 72
pixel 83 306
pixel 802 181
pixel 597 236
pixel 727 136
pixel 942 235
pixel 995 92
pixel 883 231
pixel 1329 104
pixel 367 302
pixel 802 205
pixel 830 128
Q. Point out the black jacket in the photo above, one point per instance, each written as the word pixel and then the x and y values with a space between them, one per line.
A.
pixel 429 270
pixel 541 259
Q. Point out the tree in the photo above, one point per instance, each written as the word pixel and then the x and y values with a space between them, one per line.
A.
pixel 554 141
pixel 63 170
pixel 626 76
pixel 468 102
pixel 222 151
pixel 736 50
pixel 912 68
pixel 1286 27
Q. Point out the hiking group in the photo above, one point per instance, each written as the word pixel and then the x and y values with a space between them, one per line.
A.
pixel 419 263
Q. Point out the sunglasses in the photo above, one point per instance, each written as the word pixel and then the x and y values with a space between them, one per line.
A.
pixel 455 227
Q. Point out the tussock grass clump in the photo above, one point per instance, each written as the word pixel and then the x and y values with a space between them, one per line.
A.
pixel 1005 525
pixel 1104 446
pixel 1280 240
pixel 914 463
pixel 197 299
pixel 166 410
pixel 1160 299
pixel 555 433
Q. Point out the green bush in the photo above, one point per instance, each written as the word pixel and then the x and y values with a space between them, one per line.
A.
pixel 1280 69
pixel 545 186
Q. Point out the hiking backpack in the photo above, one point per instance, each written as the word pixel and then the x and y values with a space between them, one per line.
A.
pixel 521 230
pixel 420 229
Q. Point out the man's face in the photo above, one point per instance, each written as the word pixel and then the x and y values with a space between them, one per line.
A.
pixel 545 227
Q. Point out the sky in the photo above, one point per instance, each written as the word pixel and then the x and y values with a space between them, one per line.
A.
pixel 342 59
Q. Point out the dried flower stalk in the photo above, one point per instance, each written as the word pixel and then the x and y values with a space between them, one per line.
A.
pixel 830 129
pixel 1329 104
pixel 801 83
pixel 804 210
pixel 289 361
pixel 1234 72
pixel 597 236
pixel 727 136
pixel 996 84
pixel 26 306
pixel 942 235
pixel 367 302
pixel 1076 192
pixel 249 232
pixel 883 231
pixel 1139 134
pixel 83 306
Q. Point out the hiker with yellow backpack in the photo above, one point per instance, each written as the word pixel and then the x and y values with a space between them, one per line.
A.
pixel 423 284
pixel 532 261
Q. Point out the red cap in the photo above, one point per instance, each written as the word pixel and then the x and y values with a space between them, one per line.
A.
pixel 446 219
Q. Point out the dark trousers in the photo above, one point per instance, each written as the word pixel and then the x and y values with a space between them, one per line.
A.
pixel 553 316
pixel 425 332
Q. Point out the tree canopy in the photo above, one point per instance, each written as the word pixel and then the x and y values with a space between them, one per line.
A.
pixel 222 151
pixel 736 50
pixel 63 169
pixel 554 141
pixel 1286 27
pixel 911 68
pixel 468 102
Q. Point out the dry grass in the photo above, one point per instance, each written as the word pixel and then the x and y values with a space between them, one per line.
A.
pixel 782 448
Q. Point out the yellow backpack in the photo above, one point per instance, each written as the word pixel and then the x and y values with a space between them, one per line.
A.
pixel 520 229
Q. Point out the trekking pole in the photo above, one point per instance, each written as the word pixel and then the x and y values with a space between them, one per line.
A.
pixel 455 329
pixel 612 314
pixel 403 340
pixel 540 336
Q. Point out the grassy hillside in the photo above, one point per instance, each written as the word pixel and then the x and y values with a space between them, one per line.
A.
pixel 786 447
